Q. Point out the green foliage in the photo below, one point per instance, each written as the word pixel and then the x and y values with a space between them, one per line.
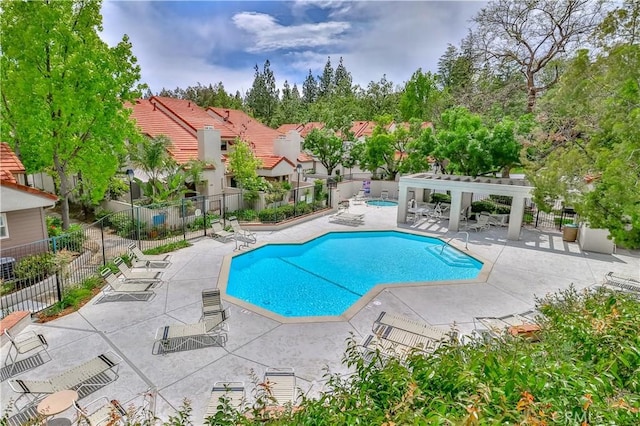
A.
pixel 318 190
pixel 75 296
pixel 169 247
pixel 243 163
pixel 483 206
pixel 244 215
pixel 438 197
pixel 325 145
pixel 124 225
pixel 204 221
pixel 35 267
pixel 421 98
pixel 53 64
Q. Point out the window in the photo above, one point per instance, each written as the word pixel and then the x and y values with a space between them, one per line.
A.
pixel 4 230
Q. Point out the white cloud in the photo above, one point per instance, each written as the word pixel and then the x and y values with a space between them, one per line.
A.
pixel 269 35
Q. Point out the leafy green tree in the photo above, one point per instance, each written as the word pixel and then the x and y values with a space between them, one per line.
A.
pixel 380 98
pixel 290 108
pixel 587 151
pixel 244 165
pixel 530 35
pixel 421 98
pixel 327 146
pixel 342 80
pixel 63 93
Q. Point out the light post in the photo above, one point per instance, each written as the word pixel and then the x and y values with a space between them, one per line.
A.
pixel 130 175
pixel 295 193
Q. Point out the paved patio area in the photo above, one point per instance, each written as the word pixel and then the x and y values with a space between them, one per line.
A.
pixel 537 264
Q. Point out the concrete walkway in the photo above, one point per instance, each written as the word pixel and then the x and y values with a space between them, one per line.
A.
pixel 537 264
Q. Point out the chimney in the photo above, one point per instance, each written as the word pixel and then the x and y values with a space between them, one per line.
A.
pixel 154 106
pixel 226 118
pixel 189 104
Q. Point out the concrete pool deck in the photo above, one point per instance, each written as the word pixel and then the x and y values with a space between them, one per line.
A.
pixel 539 263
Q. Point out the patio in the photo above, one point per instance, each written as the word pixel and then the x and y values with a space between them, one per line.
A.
pixel 256 342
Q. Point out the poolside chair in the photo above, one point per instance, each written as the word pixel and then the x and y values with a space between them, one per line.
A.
pixel 136 273
pixel 360 197
pixel 211 303
pixel 28 342
pixel 481 223
pixel 372 345
pixel 416 327
pixel 211 331
pixel 233 393
pixel 128 289
pixel 217 231
pixel 84 378
pixel 384 194
pixel 514 324
pixel 242 234
pixel 140 259
pixel 622 283
pixel 347 218
pixel 280 385
pixel 99 412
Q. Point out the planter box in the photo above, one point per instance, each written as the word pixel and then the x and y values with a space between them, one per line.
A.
pixel 595 240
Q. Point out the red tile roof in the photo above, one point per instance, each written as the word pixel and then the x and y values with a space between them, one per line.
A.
pixel 194 116
pixel 10 164
pixel 249 129
pixel 154 122
pixel 303 129
pixel 270 161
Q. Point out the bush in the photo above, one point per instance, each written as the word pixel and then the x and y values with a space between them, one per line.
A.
pixel 124 226
pixel 72 240
pixel 501 199
pixel 166 248
pixel 204 221
pixel 483 206
pixel 35 267
pixel 246 215
pixel 437 197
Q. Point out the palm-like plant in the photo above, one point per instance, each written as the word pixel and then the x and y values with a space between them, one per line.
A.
pixel 152 157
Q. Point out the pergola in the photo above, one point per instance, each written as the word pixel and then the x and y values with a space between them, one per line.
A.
pixel 462 189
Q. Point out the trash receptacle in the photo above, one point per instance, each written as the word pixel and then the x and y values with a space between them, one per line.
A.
pixel 570 232
pixel 6 267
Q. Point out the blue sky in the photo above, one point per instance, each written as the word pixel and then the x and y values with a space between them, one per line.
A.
pixel 181 43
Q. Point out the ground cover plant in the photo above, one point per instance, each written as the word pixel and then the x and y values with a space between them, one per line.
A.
pixel 584 370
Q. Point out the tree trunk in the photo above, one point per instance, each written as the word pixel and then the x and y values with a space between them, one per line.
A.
pixel 531 93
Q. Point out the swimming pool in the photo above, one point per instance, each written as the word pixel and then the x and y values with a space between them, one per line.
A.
pixel 325 276
pixel 382 203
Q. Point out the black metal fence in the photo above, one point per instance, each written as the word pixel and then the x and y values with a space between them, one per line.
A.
pixel 35 276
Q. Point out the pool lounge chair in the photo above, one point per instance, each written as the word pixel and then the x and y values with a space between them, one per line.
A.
pixel 209 332
pixel 480 224
pixel 347 218
pixel 84 378
pixel 281 385
pixel 360 197
pixel 514 324
pixel 140 259
pixel 416 327
pixel 217 231
pixel 136 273
pixel 100 412
pixel 622 283
pixel 211 303
pixel 117 289
pixel 26 343
pixel 240 233
pixel 373 344
pixel 232 392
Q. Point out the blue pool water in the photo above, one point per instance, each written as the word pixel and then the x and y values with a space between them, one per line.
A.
pixel 327 275
pixel 382 203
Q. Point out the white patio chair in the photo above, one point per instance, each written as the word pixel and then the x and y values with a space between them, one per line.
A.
pixel 28 342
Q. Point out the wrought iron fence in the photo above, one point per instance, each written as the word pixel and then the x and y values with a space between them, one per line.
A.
pixel 35 276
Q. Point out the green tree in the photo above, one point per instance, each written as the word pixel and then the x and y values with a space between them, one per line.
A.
pixel 327 146
pixel 263 98
pixel 342 80
pixel 326 80
pixel 309 89
pixel 290 108
pixel 244 165
pixel 421 97
pixel 379 99
pixel 588 151
pixel 153 158
pixel 63 93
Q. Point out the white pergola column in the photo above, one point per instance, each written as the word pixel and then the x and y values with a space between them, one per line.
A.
pixel 515 217
pixel 403 192
pixel 454 213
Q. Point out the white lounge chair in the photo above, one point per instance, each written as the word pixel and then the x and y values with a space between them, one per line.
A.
pixel 99 412
pixel 280 385
pixel 622 283
pixel 136 273
pixel 360 197
pixel 480 224
pixel 211 331
pixel 498 326
pixel 128 289
pixel 347 218
pixel 139 259
pixel 211 302
pixel 232 392
pixel 217 231
pixel 415 334
pixel 242 234
pixel 84 378
pixel 28 342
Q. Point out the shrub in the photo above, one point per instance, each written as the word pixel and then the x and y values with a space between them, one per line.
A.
pixel 501 199
pixel 203 221
pixel 483 206
pixel 245 215
pixel 437 197
pixel 35 267
pixel 168 247
pixel 125 226
pixel 72 240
